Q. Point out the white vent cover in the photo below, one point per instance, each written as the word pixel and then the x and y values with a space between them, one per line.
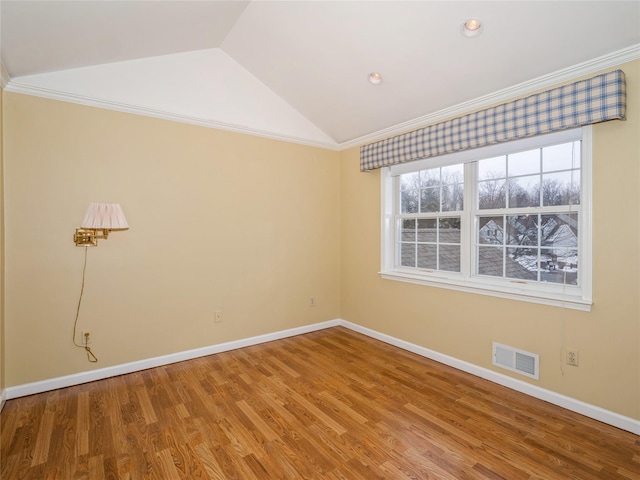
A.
pixel 516 360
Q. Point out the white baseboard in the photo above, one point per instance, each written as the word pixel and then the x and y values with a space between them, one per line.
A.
pixel 102 373
pixel 3 398
pixel 588 410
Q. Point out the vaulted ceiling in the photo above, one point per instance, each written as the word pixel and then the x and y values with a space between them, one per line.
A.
pixel 298 70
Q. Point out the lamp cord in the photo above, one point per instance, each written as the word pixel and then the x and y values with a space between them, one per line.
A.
pixel 90 356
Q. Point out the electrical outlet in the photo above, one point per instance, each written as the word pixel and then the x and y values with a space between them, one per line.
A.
pixel 86 337
pixel 572 356
pixel 218 316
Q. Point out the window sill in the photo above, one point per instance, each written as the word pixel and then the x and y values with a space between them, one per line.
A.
pixel 520 292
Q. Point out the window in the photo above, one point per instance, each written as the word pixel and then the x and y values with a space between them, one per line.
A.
pixel 509 220
pixel 429 221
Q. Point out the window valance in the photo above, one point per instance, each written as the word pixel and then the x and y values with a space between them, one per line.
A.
pixel 585 102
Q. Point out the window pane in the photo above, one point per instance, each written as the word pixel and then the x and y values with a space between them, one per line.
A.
pixel 452 198
pixel 430 178
pixel 427 256
pixel 490 230
pixel 450 258
pixel 492 194
pixel 449 230
pixel 524 191
pixel 491 261
pixel 522 230
pixel 561 157
pixel 409 188
pixel 522 263
pixel 408 254
pixel 559 266
pixel 492 168
pixel 560 230
pixel 427 230
pixel 430 200
pixel 408 233
pixel 560 188
pixel 453 174
pixel 410 181
pixel 574 198
pixel 524 163
pixel 409 201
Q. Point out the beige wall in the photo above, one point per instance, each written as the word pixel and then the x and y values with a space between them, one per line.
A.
pixel 219 221
pixel 464 325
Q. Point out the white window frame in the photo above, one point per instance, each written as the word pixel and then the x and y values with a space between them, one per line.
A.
pixel 568 296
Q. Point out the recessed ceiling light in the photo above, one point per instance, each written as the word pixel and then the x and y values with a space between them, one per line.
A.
pixel 375 78
pixel 472 27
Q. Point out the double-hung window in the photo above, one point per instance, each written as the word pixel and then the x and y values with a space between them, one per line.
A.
pixel 510 220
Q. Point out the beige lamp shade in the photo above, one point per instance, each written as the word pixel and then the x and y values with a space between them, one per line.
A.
pixel 105 216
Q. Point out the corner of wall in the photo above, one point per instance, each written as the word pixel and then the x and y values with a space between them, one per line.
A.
pixel 4 76
pixel 2 350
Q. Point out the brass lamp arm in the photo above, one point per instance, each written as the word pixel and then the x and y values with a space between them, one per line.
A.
pixel 89 236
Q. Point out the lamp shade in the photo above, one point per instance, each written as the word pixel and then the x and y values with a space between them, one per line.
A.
pixel 105 216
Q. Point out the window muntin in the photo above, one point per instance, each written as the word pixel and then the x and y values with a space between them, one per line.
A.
pixel 512 221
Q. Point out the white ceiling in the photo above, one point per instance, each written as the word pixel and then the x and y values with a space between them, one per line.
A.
pixel 297 70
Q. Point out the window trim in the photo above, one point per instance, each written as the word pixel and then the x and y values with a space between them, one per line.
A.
pixel 568 296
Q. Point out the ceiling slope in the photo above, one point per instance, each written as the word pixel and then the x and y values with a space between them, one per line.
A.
pixel 204 87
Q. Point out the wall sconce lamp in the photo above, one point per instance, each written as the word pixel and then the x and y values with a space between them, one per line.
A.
pixel 100 219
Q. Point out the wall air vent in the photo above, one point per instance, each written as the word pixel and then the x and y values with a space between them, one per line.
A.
pixel 516 360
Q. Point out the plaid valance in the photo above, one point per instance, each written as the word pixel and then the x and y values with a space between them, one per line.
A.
pixel 594 100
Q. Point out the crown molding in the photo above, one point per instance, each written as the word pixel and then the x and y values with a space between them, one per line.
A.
pixel 16 86
pixel 568 74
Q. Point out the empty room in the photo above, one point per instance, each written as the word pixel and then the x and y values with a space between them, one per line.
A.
pixel 333 240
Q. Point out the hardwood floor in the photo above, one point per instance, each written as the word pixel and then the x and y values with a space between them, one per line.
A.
pixel 332 404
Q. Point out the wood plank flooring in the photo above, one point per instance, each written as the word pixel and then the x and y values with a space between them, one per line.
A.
pixel 332 404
